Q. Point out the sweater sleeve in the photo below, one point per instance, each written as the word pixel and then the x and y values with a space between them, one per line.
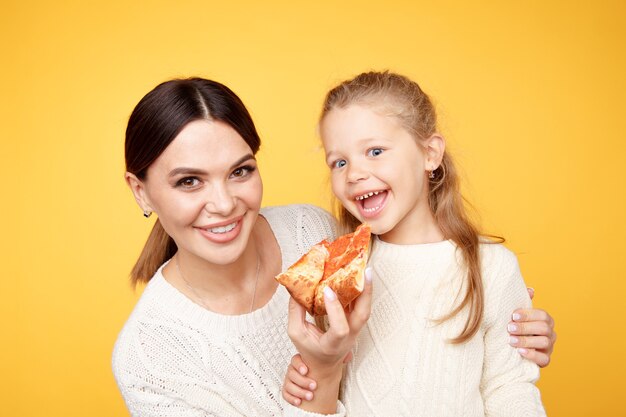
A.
pixel 507 383
pixel 292 411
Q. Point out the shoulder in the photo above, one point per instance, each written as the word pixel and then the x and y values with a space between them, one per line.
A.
pixel 298 227
pixel 305 221
pixel 495 256
pixel 504 286
pixel 152 327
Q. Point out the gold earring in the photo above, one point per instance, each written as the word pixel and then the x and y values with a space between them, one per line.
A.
pixel 431 175
pixel 147 213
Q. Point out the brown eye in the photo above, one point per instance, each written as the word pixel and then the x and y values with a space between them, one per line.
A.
pixel 188 182
pixel 242 172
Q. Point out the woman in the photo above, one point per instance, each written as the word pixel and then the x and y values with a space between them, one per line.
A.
pixel 208 335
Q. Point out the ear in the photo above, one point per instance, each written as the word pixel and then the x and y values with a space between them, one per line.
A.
pixel 435 147
pixel 139 191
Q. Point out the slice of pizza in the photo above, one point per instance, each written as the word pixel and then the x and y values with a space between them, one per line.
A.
pixel 339 265
pixel 303 277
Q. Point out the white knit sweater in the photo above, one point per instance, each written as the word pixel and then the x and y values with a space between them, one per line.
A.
pixel 174 358
pixel 402 365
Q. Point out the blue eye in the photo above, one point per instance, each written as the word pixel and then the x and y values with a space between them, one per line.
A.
pixel 374 151
pixel 340 163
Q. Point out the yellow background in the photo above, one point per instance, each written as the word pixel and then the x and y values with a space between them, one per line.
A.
pixel 530 97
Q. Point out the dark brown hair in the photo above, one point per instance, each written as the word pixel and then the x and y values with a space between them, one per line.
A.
pixel 155 122
pixel 402 98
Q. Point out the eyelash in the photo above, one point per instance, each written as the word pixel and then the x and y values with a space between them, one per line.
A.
pixel 181 182
pixel 370 150
pixel 249 169
pixel 334 165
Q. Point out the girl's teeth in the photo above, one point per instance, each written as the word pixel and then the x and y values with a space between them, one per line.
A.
pixel 368 195
pixel 223 229
pixel 369 210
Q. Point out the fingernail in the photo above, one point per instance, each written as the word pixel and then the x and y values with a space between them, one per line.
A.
pixel 309 396
pixel 302 370
pixel 329 294
pixel 522 351
pixel 512 327
pixel 312 386
pixel 513 341
pixel 368 274
pixel 517 316
pixel 296 402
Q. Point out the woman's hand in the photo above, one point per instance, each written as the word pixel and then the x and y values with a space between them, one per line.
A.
pixel 532 332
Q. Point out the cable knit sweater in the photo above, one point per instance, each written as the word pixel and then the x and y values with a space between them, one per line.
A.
pixel 402 365
pixel 174 358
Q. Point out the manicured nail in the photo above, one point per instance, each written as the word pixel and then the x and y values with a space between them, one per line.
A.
pixel 329 294
pixel 517 316
pixel 522 351
pixel 368 274
pixel 312 386
pixel 302 370
pixel 513 341
pixel 512 327
pixel 308 396
pixel 296 401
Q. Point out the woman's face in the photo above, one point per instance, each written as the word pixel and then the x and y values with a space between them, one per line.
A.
pixel 206 189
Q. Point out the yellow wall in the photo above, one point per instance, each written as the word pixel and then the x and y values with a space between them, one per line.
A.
pixel 530 96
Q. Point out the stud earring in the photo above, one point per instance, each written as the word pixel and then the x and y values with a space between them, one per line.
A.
pixel 147 213
pixel 431 175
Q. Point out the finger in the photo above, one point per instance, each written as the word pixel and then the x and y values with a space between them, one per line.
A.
pixel 297 392
pixel 301 381
pixel 348 357
pixel 363 304
pixel 336 317
pixel 538 357
pixel 533 342
pixel 532 328
pixel 296 319
pixel 532 314
pixel 298 363
pixel 531 292
pixel 291 399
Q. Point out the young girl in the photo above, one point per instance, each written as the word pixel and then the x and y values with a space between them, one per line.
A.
pixel 436 341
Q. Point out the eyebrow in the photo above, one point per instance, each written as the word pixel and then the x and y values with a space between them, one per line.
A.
pixel 196 171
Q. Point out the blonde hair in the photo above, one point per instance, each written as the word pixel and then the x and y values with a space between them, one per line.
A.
pixel 402 98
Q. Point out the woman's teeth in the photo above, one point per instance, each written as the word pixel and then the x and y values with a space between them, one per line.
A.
pixel 368 195
pixel 223 229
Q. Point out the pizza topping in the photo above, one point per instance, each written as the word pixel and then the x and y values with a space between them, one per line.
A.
pixel 338 265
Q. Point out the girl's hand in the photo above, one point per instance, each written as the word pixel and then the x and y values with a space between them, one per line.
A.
pixel 532 332
pixel 297 386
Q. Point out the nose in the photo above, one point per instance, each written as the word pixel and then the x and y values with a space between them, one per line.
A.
pixel 356 173
pixel 220 201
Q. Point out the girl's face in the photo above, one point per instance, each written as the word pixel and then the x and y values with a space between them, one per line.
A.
pixel 378 171
pixel 206 190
